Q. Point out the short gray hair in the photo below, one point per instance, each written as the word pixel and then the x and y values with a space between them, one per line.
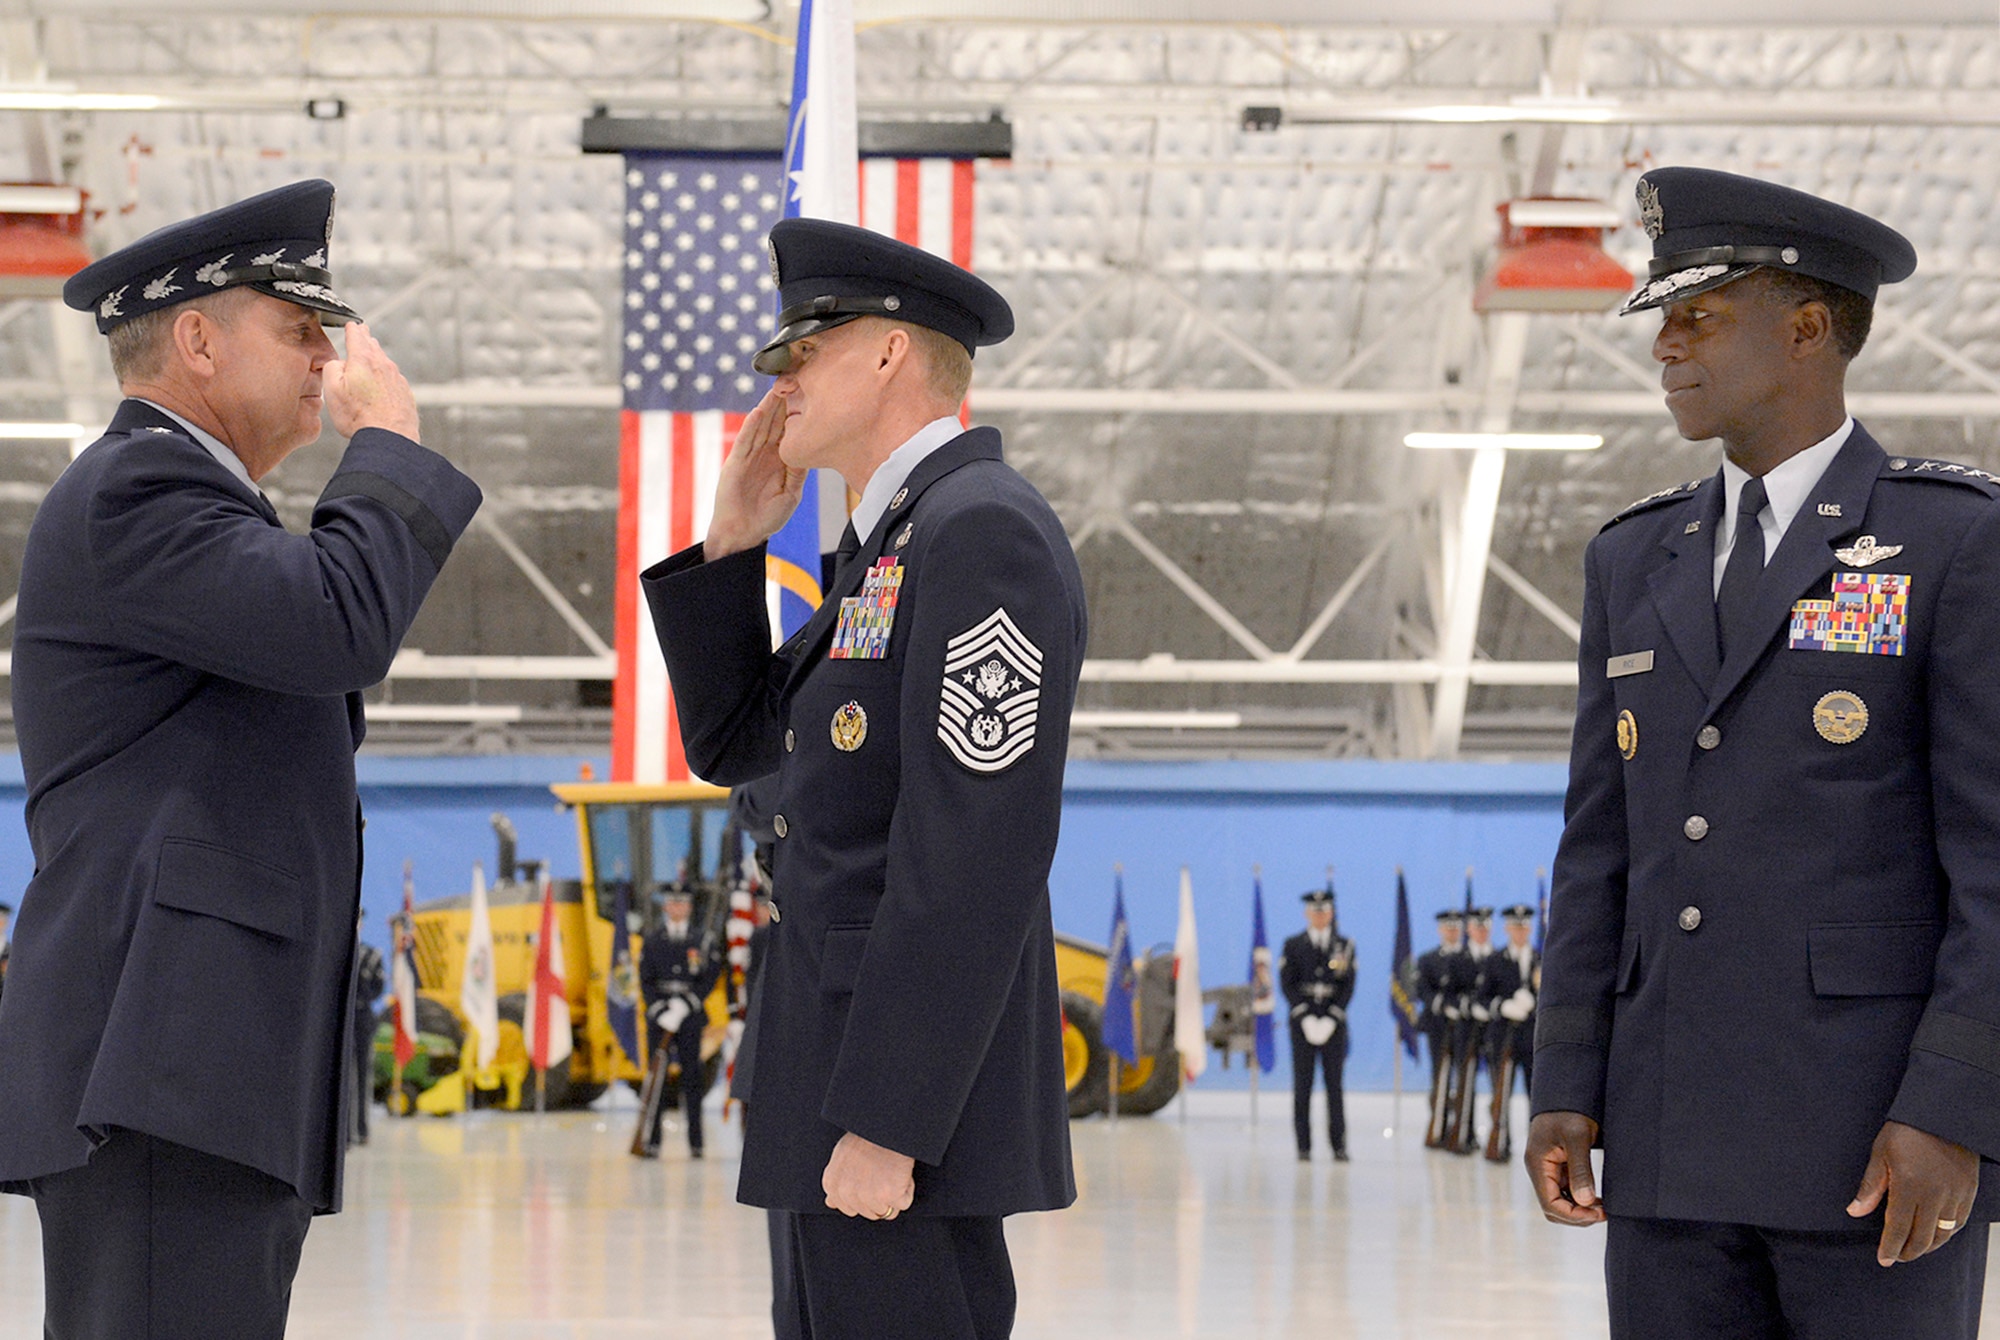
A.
pixel 139 346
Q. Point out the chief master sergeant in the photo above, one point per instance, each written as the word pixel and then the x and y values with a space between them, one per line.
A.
pixel 174 1053
pixel 909 1077
pixel 1771 983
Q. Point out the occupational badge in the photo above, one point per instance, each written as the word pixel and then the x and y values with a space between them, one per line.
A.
pixel 1840 717
pixel 1628 735
pixel 1865 553
pixel 991 694
pixel 1868 612
pixel 866 620
pixel 850 728
pixel 904 538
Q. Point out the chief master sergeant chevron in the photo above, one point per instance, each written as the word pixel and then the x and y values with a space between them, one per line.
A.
pixel 187 674
pixel 909 1066
pixel 1772 974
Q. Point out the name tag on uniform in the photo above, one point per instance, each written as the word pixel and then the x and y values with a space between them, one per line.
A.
pixel 866 620
pixel 1633 663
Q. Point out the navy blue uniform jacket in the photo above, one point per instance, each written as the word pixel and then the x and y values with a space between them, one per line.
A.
pixel 186 694
pixel 1761 943
pixel 1302 968
pixel 910 993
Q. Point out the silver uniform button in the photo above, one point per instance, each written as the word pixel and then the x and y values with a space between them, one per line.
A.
pixel 1708 737
pixel 779 826
pixel 1690 918
pixel 791 740
pixel 1696 828
pixel 774 913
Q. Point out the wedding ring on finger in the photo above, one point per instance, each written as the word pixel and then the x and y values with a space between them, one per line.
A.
pixel 1947 1225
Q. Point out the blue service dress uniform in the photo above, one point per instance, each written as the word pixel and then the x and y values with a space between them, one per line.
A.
pixel 685 969
pixel 186 690
pixel 1775 919
pixel 1444 988
pixel 1317 985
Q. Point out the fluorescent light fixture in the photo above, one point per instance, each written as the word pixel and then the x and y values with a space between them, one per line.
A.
pixel 1563 214
pixel 1115 720
pixel 40 199
pixel 1512 441
pixel 39 432
pixel 58 98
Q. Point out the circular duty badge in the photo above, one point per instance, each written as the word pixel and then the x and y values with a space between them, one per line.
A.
pixel 1840 717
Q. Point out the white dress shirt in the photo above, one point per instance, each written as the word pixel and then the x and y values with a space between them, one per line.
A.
pixel 891 474
pixel 1787 487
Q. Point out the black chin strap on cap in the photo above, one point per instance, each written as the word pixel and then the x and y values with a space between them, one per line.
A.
pixel 1778 257
pixel 264 274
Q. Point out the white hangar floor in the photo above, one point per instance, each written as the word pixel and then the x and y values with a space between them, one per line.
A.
pixel 507 1227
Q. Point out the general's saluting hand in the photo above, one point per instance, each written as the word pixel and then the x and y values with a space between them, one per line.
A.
pixel 367 390
pixel 863 1180
pixel 756 492
pixel 1929 1184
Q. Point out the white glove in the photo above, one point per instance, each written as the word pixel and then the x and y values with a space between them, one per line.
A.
pixel 1519 1005
pixel 1317 1028
pixel 1481 1013
pixel 672 1014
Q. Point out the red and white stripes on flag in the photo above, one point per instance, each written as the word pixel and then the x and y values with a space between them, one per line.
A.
pixel 668 463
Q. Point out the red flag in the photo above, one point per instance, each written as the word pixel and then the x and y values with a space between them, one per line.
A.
pixel 547 1024
pixel 403 974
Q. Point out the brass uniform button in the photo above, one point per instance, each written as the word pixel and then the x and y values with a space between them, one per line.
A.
pixel 779 826
pixel 1690 918
pixel 1696 828
pixel 1708 737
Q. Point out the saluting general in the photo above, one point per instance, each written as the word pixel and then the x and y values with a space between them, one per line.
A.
pixel 1772 978
pixel 909 1088
pixel 174 1045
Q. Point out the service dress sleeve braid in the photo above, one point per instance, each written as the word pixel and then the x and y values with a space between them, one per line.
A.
pixel 969 846
pixel 194 574
pixel 1586 924
pixel 1952 1085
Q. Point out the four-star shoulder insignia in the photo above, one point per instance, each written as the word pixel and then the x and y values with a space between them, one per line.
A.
pixel 1653 500
pixel 1949 472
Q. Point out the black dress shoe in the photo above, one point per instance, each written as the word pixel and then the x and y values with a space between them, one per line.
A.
pixel 1305 1156
pixel 1339 1154
pixel 694 1151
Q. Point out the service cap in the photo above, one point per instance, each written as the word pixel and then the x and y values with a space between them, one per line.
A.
pixel 831 273
pixel 1317 897
pixel 1519 912
pixel 1711 228
pixel 275 243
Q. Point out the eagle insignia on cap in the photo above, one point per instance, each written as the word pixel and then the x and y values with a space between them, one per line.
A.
pixel 211 273
pixel 1651 217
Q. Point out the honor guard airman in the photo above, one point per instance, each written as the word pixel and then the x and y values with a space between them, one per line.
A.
pixel 1772 977
pixel 1508 980
pixel 909 1086
pixel 1317 978
pixel 678 967
pixel 1444 983
pixel 175 1048
pixel 1475 1031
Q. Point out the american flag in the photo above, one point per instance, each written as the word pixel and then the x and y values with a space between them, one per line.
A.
pixel 699 302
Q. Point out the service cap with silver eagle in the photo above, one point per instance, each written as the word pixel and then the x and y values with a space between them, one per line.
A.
pixel 831 273
pixel 1711 228
pixel 275 243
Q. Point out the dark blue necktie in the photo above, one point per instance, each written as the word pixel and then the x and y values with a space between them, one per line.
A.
pixel 1736 602
pixel 850 545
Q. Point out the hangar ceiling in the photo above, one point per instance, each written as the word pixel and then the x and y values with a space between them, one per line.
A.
pixel 1224 333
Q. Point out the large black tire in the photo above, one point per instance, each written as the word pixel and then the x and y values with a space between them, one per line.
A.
pixel 560 1090
pixel 1151 1085
pixel 1085 1018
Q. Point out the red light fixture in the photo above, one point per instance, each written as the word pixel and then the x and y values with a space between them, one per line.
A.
pixel 41 239
pixel 1552 259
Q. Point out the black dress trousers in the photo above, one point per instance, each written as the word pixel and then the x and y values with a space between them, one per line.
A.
pixel 1671 1279
pixel 915 1277
pixel 152 1240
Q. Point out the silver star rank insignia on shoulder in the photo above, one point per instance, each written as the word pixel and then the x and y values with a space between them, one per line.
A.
pixel 1864 552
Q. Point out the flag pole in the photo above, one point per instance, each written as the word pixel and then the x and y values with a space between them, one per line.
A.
pixel 1253 1090
pixel 1396 1101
